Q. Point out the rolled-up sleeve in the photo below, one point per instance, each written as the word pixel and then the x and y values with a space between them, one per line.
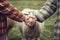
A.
pixel 46 11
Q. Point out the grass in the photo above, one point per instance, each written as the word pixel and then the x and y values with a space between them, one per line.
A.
pixel 14 34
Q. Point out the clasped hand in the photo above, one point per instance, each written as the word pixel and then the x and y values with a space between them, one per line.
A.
pixel 30 19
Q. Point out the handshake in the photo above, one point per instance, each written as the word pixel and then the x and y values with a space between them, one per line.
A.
pixel 27 14
pixel 30 19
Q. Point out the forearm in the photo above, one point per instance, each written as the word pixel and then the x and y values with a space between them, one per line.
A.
pixel 46 11
pixel 10 11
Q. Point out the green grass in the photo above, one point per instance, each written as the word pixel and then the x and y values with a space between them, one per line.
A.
pixel 28 4
pixel 26 0
pixel 14 34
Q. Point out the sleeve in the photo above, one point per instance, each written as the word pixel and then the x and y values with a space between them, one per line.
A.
pixel 46 11
pixel 10 11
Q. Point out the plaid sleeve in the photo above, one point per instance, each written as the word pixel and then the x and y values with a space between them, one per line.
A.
pixel 46 11
pixel 10 11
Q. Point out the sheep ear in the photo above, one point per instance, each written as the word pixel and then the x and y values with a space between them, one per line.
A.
pixel 2 0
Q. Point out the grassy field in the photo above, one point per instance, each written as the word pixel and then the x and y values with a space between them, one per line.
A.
pixel 14 34
pixel 26 0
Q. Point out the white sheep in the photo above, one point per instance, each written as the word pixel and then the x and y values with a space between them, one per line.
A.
pixel 33 32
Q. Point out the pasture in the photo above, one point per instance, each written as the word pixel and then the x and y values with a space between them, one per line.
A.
pixel 47 34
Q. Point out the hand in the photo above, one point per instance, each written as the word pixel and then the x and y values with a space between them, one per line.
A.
pixel 27 11
pixel 30 19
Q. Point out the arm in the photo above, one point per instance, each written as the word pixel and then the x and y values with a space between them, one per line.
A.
pixel 46 11
pixel 10 11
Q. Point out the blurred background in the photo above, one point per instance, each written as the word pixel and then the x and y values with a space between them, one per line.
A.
pixel 47 34
pixel 26 0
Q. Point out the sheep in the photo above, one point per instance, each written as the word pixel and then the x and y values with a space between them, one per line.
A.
pixel 30 33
